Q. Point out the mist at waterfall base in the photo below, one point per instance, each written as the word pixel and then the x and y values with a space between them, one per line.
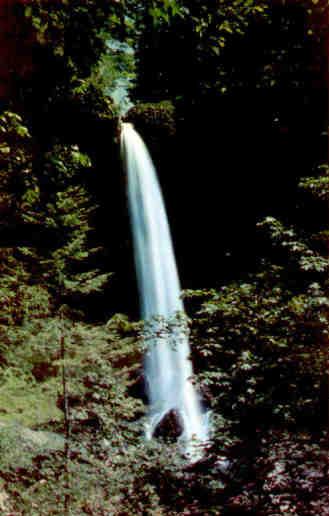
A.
pixel 168 368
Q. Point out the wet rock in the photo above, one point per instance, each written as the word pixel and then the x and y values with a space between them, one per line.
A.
pixel 138 387
pixel 170 426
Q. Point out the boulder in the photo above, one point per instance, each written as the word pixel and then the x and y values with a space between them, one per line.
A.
pixel 170 426
pixel 18 444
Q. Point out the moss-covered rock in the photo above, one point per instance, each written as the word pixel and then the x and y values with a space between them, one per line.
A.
pixel 153 120
pixel 18 444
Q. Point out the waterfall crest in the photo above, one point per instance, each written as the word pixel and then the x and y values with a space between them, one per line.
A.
pixel 168 368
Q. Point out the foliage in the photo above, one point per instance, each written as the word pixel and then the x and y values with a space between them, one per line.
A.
pixel 207 31
pixel 155 121
pixel 260 346
pixel 289 477
pixel 72 31
pixel 115 73
pixel 264 344
pixel 50 198
pixel 15 162
pixel 317 186
pixel 265 339
pixel 216 48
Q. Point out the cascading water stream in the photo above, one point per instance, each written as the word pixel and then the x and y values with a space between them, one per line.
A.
pixel 168 368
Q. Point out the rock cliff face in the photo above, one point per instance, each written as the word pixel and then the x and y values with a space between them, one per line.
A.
pixel 16 43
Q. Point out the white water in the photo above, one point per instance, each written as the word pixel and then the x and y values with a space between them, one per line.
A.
pixel 168 369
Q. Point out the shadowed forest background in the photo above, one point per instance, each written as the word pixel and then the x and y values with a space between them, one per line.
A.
pixel 231 98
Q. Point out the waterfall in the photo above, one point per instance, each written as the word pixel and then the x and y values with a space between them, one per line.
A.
pixel 168 368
